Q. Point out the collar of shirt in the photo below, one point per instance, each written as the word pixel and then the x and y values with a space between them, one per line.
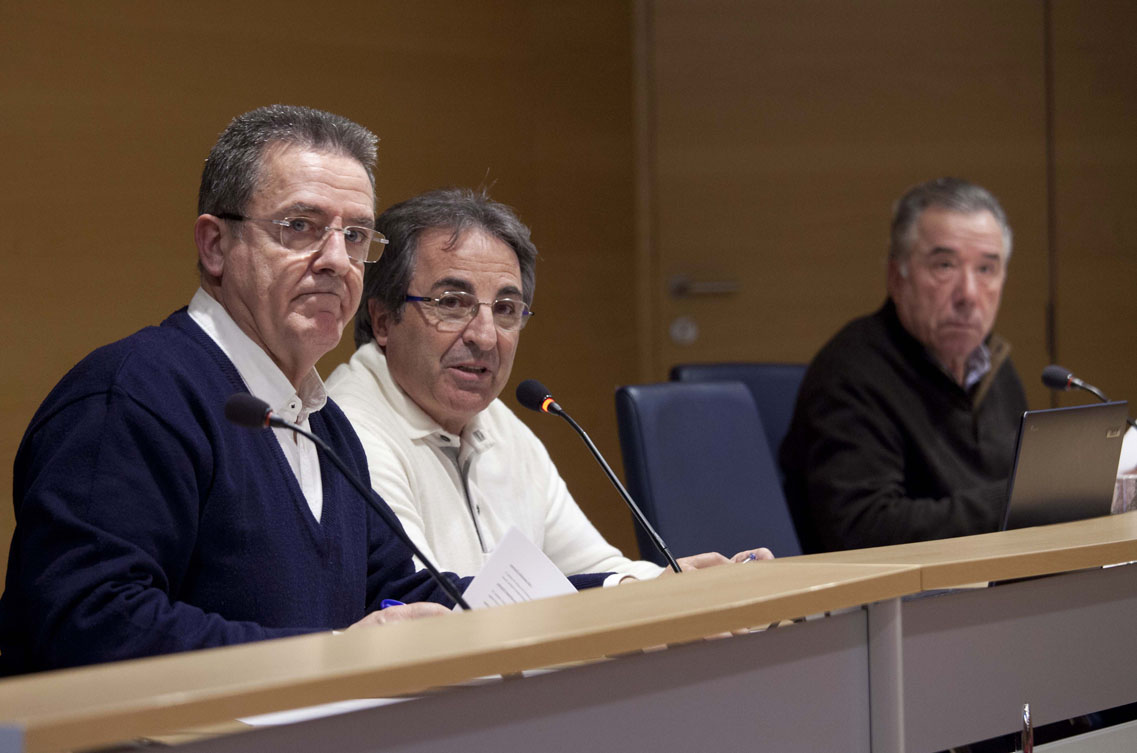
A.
pixel 976 366
pixel 416 423
pixel 261 375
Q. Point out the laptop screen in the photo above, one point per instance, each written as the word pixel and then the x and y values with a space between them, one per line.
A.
pixel 1065 464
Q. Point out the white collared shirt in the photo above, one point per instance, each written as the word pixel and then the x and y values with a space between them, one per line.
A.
pixel 265 380
pixel 458 495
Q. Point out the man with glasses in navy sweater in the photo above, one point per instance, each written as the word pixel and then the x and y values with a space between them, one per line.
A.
pixel 147 523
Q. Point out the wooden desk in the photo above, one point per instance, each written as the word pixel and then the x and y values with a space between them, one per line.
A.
pixel 1022 553
pixel 97 705
pixel 967 661
pixel 913 674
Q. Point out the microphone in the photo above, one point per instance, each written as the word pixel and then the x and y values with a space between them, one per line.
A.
pixel 251 412
pixel 1058 378
pixel 535 396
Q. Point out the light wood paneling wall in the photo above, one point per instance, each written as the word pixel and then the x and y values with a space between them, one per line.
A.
pixel 783 133
pixel 1095 193
pixel 776 132
pixel 110 108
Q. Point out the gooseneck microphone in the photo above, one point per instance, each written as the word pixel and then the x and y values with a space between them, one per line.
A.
pixel 251 412
pixel 1058 378
pixel 535 396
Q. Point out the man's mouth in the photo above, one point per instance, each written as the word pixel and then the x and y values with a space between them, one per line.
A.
pixel 320 292
pixel 471 369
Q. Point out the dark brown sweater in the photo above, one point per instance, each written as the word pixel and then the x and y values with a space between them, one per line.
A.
pixel 885 448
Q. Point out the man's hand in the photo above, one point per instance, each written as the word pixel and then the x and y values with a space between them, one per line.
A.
pixel 714 559
pixel 753 554
pixel 402 612
pixel 701 561
pixel 698 562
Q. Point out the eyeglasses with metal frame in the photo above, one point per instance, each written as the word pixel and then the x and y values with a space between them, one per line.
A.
pixel 456 308
pixel 302 235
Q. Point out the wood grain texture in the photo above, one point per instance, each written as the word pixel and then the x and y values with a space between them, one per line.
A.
pixel 89 706
pixel 59 710
pixel 109 115
pixel 1021 553
pixel 782 135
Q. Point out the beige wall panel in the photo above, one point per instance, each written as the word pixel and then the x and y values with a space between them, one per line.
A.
pixel 783 133
pixel 110 108
pixel 1095 147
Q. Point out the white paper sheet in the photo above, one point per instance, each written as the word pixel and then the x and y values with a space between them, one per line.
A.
pixel 516 571
pixel 1128 461
pixel 307 713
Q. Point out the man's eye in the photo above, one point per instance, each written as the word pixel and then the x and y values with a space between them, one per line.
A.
pixel 299 225
pixel 451 301
pixel 506 307
pixel 355 235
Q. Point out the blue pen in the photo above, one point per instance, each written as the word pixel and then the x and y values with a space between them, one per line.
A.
pixel 390 603
pixel 749 558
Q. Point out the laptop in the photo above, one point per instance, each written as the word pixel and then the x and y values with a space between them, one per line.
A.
pixel 1065 464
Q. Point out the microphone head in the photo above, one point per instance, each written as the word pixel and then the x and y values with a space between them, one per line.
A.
pixel 535 396
pixel 1056 377
pixel 245 410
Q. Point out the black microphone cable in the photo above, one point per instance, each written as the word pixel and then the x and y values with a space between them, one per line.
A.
pixel 535 396
pixel 251 412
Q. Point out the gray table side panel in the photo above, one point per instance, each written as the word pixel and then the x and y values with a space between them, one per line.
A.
pixel 1063 643
pixel 802 687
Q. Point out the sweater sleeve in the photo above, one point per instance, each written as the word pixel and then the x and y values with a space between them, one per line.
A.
pixel 851 455
pixel 393 574
pixel 108 499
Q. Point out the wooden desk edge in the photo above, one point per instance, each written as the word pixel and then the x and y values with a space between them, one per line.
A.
pixel 595 624
pixel 623 620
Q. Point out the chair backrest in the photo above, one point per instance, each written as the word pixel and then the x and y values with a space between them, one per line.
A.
pixel 774 386
pixel 697 462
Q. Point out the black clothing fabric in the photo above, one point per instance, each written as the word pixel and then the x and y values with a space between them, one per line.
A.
pixel 886 448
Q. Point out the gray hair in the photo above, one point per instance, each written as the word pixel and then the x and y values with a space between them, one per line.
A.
pixel 953 194
pixel 455 209
pixel 233 169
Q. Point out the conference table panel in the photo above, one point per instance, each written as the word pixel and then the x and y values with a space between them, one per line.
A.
pixel 96 705
pixel 739 693
pixel 883 663
pixel 1021 553
pixel 972 658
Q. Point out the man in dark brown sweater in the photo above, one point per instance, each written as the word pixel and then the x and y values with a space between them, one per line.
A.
pixel 905 424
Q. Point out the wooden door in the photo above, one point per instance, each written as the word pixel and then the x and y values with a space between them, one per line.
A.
pixel 776 137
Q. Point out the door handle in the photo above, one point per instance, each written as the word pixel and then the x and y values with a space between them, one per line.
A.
pixel 682 286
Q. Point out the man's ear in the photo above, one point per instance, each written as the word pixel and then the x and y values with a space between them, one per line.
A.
pixel 380 321
pixel 207 234
pixel 897 271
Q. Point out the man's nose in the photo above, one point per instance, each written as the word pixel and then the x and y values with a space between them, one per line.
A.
pixel 966 288
pixel 332 253
pixel 481 331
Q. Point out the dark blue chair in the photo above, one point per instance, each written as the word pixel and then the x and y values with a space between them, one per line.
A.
pixel 698 463
pixel 774 386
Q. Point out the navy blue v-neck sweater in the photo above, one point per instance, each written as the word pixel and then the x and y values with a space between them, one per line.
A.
pixel 147 524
